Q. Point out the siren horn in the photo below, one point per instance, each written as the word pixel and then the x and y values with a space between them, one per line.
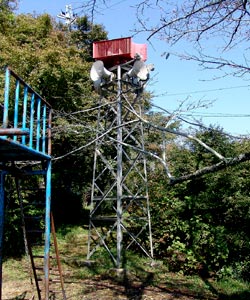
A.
pixel 140 70
pixel 99 75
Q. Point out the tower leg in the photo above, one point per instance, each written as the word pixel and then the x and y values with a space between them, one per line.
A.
pixel 119 170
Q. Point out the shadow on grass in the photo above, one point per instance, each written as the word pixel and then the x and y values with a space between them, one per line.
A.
pixel 136 280
pixel 121 282
pixel 132 287
pixel 137 288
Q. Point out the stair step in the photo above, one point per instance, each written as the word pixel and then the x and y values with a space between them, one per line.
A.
pixel 55 292
pixel 35 231
pixel 33 217
pixel 42 256
pixel 50 280
pixel 55 280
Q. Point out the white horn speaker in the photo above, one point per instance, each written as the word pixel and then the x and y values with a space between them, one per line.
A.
pixel 100 75
pixel 140 70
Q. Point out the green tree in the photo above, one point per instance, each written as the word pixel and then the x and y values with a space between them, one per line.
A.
pixel 85 34
pixel 6 13
pixel 201 225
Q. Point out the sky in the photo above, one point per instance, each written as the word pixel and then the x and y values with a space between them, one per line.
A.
pixel 173 80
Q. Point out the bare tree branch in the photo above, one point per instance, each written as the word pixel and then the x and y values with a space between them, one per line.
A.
pixel 218 63
pixel 194 19
pixel 212 169
pixel 179 133
pixel 184 17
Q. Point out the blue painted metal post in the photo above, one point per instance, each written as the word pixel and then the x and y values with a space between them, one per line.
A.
pixel 31 120
pixel 6 98
pixel 38 124
pixel 44 130
pixel 24 120
pixel 1 226
pixel 16 106
pixel 47 229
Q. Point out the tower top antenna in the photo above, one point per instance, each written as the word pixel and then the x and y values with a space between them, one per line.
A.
pixel 68 16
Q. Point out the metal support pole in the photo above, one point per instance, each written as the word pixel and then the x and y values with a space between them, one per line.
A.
pixel 47 228
pixel 6 98
pixel 119 169
pixel 147 196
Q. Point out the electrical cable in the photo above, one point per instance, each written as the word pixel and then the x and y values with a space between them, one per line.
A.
pixel 215 115
pixel 205 91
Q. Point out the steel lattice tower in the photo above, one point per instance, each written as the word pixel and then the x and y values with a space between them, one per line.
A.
pixel 120 216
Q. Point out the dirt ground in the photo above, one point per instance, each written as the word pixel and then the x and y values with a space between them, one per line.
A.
pixel 106 290
pixel 84 282
pixel 103 289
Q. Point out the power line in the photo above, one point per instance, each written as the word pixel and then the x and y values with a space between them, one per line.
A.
pixel 117 3
pixel 215 115
pixel 101 8
pixel 205 91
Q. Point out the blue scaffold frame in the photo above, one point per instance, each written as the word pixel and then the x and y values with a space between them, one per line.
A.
pixel 25 135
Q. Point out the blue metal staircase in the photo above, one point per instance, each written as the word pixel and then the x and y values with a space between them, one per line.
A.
pixel 25 138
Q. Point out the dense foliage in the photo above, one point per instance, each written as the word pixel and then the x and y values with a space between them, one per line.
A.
pixel 202 225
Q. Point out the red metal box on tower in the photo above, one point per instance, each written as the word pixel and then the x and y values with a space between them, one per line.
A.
pixel 118 51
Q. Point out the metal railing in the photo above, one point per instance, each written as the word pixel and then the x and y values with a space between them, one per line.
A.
pixel 26 116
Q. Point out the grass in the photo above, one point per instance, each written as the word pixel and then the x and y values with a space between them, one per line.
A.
pixel 140 278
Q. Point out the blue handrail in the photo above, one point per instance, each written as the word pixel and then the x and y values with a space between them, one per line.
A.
pixel 27 117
